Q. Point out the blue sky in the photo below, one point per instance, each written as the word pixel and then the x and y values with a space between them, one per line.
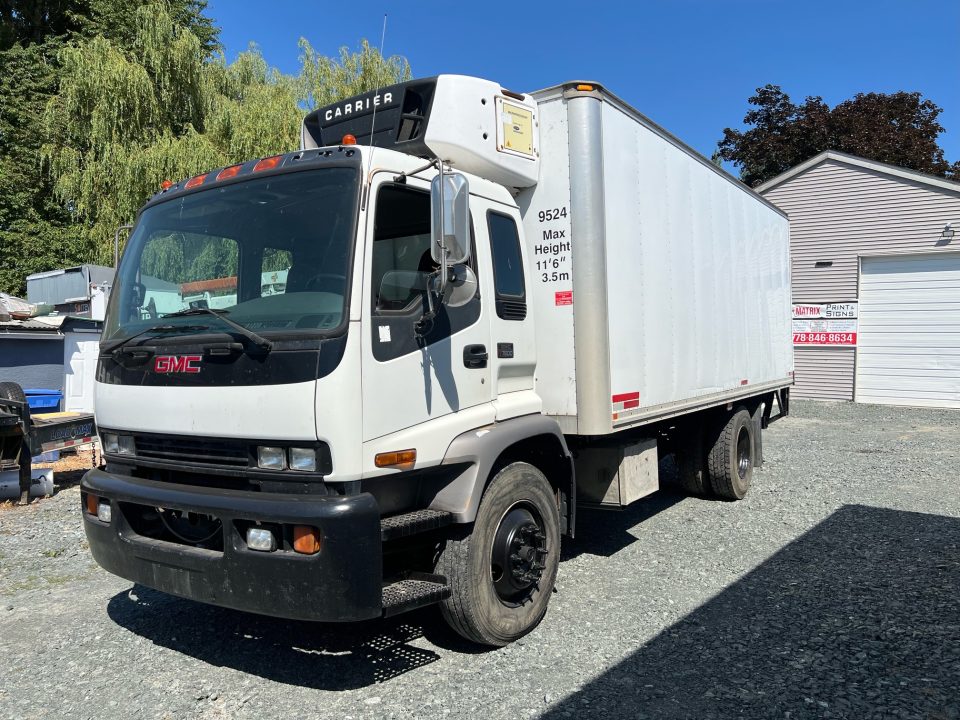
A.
pixel 690 65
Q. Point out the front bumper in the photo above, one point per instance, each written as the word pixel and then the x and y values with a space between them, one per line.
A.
pixel 340 583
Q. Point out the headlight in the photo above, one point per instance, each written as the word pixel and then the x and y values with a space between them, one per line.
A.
pixel 304 459
pixel 126 446
pixel 110 443
pixel 271 458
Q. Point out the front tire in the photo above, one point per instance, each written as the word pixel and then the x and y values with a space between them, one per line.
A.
pixel 501 574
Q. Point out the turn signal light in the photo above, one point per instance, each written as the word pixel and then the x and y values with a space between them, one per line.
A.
pixel 195 181
pixel 348 139
pixel 400 459
pixel 92 504
pixel 306 539
pixel 268 163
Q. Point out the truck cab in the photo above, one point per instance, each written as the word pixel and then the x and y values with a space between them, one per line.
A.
pixel 276 447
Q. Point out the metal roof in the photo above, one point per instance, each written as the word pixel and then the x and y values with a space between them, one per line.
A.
pixel 20 325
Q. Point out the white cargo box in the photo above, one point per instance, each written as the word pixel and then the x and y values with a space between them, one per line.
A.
pixel 661 284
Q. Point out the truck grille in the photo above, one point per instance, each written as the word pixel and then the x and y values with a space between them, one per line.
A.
pixel 229 453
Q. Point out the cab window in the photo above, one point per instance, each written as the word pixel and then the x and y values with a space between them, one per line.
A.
pixel 401 269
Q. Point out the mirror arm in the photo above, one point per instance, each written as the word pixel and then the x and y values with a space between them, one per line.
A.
pixel 402 177
pixel 422 326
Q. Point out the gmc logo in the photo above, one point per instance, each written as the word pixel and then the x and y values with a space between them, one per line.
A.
pixel 176 364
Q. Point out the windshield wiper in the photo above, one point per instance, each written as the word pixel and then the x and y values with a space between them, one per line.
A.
pixel 156 329
pixel 256 339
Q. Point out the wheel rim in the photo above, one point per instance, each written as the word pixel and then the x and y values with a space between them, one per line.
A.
pixel 519 550
pixel 743 453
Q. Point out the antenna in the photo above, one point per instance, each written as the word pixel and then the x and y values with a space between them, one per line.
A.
pixel 373 119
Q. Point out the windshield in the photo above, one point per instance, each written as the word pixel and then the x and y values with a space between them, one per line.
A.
pixel 273 252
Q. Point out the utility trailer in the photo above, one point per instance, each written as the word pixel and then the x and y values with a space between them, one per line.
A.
pixel 496 306
pixel 24 435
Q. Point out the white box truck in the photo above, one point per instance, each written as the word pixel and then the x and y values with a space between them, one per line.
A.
pixel 494 306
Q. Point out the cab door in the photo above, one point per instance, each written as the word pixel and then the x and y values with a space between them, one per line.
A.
pixel 513 356
pixel 421 385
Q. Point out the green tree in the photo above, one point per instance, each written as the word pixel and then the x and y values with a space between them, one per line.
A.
pixel 29 22
pixel 102 100
pixel 34 226
pixel 117 21
pixel 39 230
pixel 129 116
pixel 899 128
pixel 325 80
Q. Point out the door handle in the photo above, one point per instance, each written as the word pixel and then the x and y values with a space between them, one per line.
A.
pixel 475 356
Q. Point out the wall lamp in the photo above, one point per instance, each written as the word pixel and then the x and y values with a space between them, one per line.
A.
pixel 947 234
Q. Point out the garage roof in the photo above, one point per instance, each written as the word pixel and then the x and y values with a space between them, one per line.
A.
pixel 879 167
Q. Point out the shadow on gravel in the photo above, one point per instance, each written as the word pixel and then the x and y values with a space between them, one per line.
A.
pixel 313 655
pixel 607 532
pixel 337 657
pixel 860 617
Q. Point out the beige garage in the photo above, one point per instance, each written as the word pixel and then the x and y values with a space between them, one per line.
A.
pixel 875 265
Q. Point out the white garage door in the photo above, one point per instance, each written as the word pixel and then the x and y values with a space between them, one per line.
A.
pixel 909 337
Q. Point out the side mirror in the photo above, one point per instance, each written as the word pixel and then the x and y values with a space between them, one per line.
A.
pixel 450 219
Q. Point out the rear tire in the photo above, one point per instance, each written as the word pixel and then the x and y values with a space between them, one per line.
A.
pixel 692 464
pixel 501 574
pixel 731 459
pixel 12 391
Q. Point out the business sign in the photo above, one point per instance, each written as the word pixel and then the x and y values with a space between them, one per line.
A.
pixel 828 324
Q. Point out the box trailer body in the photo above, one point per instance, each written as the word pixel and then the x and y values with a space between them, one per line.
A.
pixel 660 285
pixel 389 366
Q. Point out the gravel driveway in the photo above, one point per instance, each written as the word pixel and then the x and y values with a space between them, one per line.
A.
pixel 831 591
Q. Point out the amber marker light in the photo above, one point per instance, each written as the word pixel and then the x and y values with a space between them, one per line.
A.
pixel 166 185
pixel 399 459
pixel 92 504
pixel 195 181
pixel 229 172
pixel 306 539
pixel 585 88
pixel 268 163
pixel 348 139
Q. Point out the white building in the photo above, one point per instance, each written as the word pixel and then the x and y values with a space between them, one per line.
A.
pixel 875 255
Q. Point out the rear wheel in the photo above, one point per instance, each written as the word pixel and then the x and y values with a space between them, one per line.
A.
pixel 501 573
pixel 731 459
pixel 692 463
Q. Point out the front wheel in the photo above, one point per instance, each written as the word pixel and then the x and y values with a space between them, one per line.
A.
pixel 501 574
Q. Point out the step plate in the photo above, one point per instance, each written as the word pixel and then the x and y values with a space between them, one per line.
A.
pixel 418 521
pixel 412 593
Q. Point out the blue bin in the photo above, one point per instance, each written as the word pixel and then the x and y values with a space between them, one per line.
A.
pixel 43 400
